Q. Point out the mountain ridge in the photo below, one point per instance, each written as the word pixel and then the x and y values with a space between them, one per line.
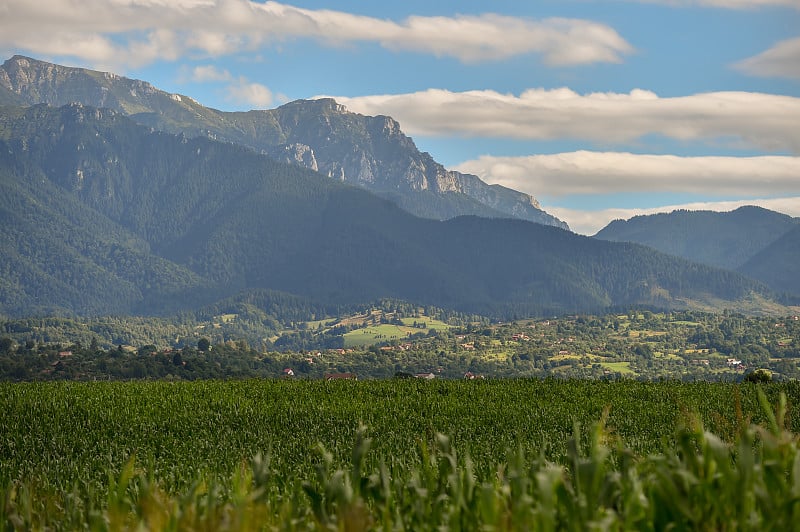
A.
pixel 751 240
pixel 371 152
pixel 722 239
pixel 149 222
pixel 776 265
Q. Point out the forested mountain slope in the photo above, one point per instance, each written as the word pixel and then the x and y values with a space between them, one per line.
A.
pixel 722 239
pixel 778 264
pixel 104 215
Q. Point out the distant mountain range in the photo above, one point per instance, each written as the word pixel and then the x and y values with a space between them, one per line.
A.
pixel 371 152
pixel 119 198
pixel 102 215
pixel 778 264
pixel 760 243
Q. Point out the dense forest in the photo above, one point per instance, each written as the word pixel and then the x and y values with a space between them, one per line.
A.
pixel 757 242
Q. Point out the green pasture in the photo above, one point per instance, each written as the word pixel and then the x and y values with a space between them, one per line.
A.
pixel 377 334
pixel 430 323
pixel 619 367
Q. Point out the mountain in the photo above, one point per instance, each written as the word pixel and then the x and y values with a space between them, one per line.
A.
pixel 102 215
pixel 778 264
pixel 58 255
pixel 722 239
pixel 371 152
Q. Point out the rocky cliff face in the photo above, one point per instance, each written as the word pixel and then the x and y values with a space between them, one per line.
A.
pixel 368 151
pixel 373 152
pixel 39 82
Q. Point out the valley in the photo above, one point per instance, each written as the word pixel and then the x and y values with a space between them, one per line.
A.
pixel 384 344
pixel 399 266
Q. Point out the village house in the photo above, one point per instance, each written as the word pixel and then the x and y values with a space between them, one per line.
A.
pixel 735 364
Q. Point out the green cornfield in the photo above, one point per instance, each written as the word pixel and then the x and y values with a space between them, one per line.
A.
pixel 407 455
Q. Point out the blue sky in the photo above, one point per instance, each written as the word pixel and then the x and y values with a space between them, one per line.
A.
pixel 599 109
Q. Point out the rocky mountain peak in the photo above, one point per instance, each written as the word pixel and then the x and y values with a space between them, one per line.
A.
pixel 321 134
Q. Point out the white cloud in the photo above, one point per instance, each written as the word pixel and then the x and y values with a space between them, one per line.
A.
pixel 780 61
pixel 586 172
pixel 729 4
pixel 766 121
pixel 487 37
pixel 204 73
pixel 602 173
pixel 244 92
pixel 110 31
pixel 590 222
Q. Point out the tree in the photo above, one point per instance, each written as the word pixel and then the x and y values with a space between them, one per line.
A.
pixel 759 375
pixel 6 344
pixel 203 344
pixel 643 350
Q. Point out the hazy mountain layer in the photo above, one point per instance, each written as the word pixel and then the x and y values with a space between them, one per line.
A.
pixel 778 264
pixel 722 239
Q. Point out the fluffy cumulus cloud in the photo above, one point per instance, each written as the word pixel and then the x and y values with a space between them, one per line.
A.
pixel 586 172
pixel 780 61
pixel 590 222
pixel 766 121
pixel 247 93
pixel 137 32
pixel 206 73
pixel 239 91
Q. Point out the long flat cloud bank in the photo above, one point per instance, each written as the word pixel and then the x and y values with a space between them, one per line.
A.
pixel 138 32
pixel 780 61
pixel 727 4
pixel 587 172
pixel 765 121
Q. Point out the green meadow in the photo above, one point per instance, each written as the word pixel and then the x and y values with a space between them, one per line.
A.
pixel 389 332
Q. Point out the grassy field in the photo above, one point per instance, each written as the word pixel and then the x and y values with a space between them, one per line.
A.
pixel 377 334
pixel 620 367
pixel 389 332
pixel 175 441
